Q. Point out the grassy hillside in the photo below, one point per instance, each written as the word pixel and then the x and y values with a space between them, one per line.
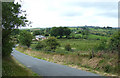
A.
pixel 78 44
pixel 11 67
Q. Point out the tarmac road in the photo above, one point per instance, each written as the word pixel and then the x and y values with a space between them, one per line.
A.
pixel 45 68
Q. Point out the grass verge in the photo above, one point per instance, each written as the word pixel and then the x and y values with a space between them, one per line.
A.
pixel 11 67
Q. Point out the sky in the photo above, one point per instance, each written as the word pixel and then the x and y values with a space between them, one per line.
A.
pixel 50 13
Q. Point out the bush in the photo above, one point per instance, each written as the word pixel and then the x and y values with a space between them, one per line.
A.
pixel 102 45
pixel 77 36
pixel 47 48
pixel 25 38
pixel 40 45
pixel 114 42
pixel 67 47
pixel 52 43
pixel 69 37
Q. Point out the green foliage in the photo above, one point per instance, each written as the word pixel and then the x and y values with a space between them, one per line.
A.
pixel 7 47
pixel 38 32
pixel 102 45
pixel 114 42
pixel 107 68
pixel 67 31
pixel 15 32
pixel 40 45
pixel 72 35
pixel 52 43
pixel 11 19
pixel 67 47
pixel 53 31
pixel 60 31
pixel 25 38
pixel 46 34
pixel 78 36
pixel 85 31
pixel 101 61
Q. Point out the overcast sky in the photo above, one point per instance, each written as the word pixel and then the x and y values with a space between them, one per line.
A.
pixel 49 13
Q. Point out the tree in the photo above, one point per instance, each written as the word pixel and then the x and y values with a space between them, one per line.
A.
pixel 85 32
pixel 38 32
pixel 72 34
pixel 60 31
pixel 47 30
pixel 52 43
pixel 53 32
pixel 25 38
pixel 15 32
pixel 11 19
pixel 40 45
pixel 67 31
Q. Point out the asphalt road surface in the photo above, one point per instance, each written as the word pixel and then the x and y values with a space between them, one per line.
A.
pixel 45 68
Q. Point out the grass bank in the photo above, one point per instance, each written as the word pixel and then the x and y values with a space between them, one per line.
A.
pixel 11 67
pixel 103 63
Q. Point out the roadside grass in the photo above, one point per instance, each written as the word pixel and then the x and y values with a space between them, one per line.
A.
pixel 11 67
pixel 99 64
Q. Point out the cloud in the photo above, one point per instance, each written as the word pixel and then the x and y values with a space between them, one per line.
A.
pixel 107 9
pixel 109 14
pixel 71 13
pixel 99 5
pixel 48 13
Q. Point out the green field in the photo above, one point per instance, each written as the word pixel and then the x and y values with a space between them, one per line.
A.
pixel 76 44
pixel 95 37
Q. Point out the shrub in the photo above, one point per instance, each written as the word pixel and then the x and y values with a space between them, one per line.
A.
pixel 67 47
pixel 114 42
pixel 40 45
pixel 77 36
pixel 102 45
pixel 52 43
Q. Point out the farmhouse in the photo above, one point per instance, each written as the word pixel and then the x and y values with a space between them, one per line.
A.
pixel 38 37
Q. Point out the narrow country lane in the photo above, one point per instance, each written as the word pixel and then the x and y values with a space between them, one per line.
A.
pixel 45 68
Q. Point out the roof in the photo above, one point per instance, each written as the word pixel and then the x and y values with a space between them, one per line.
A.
pixel 39 36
